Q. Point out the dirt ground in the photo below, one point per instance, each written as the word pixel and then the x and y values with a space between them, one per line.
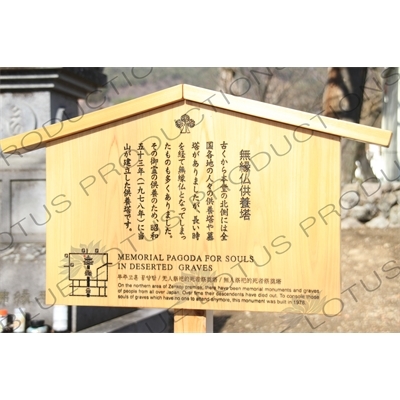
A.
pixel 370 276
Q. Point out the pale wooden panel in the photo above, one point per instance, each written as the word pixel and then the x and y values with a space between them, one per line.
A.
pixel 295 181
pixel 296 118
pixel 33 140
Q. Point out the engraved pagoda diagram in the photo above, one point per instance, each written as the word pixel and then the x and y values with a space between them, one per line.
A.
pixel 88 273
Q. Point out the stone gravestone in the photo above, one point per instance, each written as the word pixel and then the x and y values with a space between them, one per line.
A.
pixel 33 98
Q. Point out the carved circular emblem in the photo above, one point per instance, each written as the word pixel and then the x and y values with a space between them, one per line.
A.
pixel 16 117
pixel 184 123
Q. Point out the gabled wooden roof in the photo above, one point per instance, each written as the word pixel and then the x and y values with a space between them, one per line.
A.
pixel 40 137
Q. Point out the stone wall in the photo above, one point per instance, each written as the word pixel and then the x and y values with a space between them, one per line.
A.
pixel 371 204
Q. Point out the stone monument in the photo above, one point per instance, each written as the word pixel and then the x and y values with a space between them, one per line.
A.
pixel 32 98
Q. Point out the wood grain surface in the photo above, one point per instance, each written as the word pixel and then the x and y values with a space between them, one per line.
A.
pixel 288 248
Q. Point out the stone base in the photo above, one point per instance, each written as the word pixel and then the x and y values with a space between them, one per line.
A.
pixel 146 320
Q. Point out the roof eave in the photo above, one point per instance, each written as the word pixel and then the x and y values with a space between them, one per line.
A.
pixel 298 119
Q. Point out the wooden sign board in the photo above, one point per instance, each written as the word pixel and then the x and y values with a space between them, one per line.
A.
pixel 193 199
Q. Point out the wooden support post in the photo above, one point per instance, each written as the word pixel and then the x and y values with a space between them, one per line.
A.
pixel 193 321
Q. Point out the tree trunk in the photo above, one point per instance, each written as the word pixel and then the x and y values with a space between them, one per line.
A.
pixel 343 99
